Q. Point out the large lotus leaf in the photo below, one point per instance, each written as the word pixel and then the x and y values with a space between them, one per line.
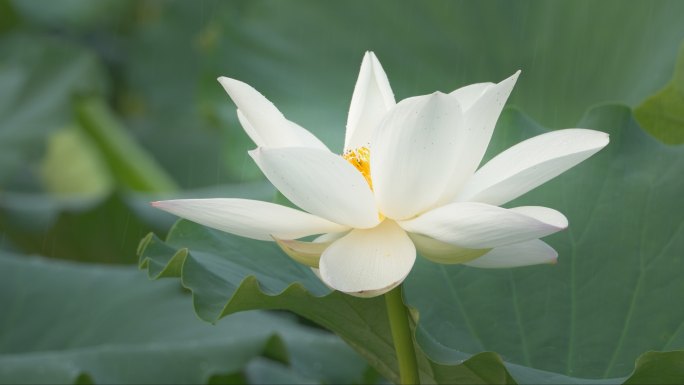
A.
pixel 63 322
pixel 615 290
pixel 553 324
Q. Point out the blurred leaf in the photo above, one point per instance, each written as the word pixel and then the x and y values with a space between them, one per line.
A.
pixel 8 17
pixel 98 229
pixel 73 166
pixel 110 325
pixel 78 14
pixel 662 114
pixel 104 229
pixel 610 297
pixel 130 164
pixel 39 76
pixel 304 56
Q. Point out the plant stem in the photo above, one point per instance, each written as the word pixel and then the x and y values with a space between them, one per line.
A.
pixel 401 335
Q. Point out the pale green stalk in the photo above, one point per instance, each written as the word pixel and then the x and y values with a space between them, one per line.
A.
pixel 401 335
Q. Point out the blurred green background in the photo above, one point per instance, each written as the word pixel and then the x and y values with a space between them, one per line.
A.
pixel 106 105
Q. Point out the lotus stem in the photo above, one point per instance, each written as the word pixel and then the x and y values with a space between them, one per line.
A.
pixel 402 337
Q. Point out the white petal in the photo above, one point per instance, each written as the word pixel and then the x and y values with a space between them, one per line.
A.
pixel 412 151
pixel 479 123
pixel 248 218
pixel 543 214
pixel 478 225
pixel 321 183
pixel 370 102
pixel 470 94
pixel 531 163
pixel 442 252
pixel 527 253
pixel 374 260
pixel 263 122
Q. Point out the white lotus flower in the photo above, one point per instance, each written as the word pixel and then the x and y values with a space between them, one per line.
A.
pixel 406 181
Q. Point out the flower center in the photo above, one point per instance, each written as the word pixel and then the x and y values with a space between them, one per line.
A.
pixel 360 158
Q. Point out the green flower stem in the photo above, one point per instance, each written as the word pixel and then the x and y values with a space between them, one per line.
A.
pixel 401 334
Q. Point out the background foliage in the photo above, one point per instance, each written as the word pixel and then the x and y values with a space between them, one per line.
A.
pixel 107 105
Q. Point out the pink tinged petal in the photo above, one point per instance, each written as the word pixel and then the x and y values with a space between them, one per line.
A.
pixel 412 151
pixel 479 122
pixel 263 122
pixel 531 163
pixel 527 253
pixel 248 218
pixel 321 183
pixel 368 262
pixel 444 253
pixel 480 226
pixel 470 94
pixel 371 100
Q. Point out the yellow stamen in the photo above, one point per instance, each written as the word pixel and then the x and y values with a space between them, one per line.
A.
pixel 360 158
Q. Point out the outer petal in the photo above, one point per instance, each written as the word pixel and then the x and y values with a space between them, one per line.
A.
pixel 479 226
pixel 262 121
pixel 532 252
pixel 370 102
pixel 531 163
pixel 374 260
pixel 321 183
pixel 470 94
pixel 248 218
pixel 445 253
pixel 480 120
pixel 412 151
